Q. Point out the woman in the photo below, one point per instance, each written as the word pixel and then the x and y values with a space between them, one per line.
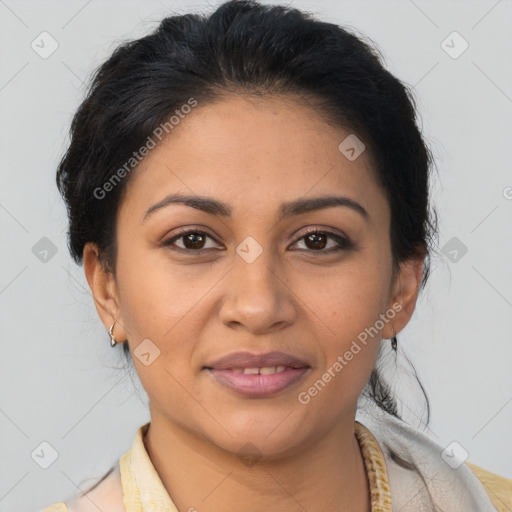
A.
pixel 248 193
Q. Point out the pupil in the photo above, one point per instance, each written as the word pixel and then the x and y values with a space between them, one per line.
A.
pixel 193 239
pixel 315 236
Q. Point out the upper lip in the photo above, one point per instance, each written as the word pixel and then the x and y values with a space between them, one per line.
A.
pixel 248 360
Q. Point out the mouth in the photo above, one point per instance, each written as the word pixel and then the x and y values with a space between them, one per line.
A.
pixel 258 376
pixel 265 370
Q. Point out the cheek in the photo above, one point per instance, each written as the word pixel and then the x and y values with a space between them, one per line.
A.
pixel 350 356
pixel 352 306
pixel 161 302
pixel 351 297
pixel 155 294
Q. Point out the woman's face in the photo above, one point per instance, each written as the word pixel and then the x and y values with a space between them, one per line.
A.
pixel 251 279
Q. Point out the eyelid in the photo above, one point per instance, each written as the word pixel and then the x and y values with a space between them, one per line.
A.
pixel 320 229
pixel 185 231
pixel 344 242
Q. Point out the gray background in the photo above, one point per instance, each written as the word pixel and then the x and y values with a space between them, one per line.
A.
pixel 60 381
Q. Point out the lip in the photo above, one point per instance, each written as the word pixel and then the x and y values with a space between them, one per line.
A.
pixel 256 385
pixel 224 372
pixel 248 360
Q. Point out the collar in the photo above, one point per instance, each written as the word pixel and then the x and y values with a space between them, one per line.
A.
pixel 400 462
pixel 143 490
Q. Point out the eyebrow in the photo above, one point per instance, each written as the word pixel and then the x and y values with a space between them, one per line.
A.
pixel 296 207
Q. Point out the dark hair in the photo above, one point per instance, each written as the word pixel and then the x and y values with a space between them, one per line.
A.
pixel 261 50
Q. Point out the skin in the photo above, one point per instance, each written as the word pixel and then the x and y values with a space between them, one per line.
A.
pixel 253 154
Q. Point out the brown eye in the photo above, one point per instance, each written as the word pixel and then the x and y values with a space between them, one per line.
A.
pixel 318 241
pixel 191 240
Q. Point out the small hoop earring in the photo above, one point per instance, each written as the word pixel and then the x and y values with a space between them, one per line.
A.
pixel 113 341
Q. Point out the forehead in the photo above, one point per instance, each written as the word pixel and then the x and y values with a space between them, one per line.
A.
pixel 253 151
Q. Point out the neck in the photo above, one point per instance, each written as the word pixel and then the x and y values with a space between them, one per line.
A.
pixel 328 474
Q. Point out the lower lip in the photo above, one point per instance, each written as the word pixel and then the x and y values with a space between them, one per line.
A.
pixel 256 385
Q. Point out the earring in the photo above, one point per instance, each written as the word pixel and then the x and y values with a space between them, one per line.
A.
pixel 113 341
pixel 394 340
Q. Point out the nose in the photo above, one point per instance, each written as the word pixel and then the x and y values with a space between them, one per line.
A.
pixel 257 296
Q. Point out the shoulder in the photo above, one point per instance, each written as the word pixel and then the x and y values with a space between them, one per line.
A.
pixel 419 474
pixel 105 494
pixel 497 487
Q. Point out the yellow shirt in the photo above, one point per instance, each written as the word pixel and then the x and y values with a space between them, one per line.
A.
pixel 143 491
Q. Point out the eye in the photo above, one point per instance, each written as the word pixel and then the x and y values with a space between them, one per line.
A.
pixel 317 241
pixel 192 240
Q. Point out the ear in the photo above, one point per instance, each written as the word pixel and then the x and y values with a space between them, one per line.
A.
pixel 104 290
pixel 405 289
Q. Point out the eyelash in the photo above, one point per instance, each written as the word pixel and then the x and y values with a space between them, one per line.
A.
pixel 344 243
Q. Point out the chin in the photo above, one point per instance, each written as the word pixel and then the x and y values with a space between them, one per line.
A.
pixel 269 439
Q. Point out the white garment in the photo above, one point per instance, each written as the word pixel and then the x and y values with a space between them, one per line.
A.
pixel 434 487
pixel 442 488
